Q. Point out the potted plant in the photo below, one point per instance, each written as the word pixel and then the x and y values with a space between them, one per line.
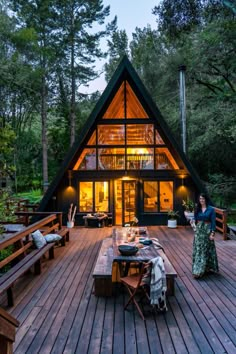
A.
pixel 172 218
pixel 188 205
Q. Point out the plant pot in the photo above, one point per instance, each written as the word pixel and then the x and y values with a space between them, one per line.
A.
pixel 70 224
pixel 189 215
pixel 172 223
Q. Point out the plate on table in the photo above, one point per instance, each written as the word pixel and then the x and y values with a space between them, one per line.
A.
pixel 127 250
pixel 145 241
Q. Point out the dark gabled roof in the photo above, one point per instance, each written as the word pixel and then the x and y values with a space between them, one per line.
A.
pixel 125 70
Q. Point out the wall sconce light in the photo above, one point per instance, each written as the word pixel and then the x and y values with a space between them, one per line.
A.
pixel 69 177
pixel 182 179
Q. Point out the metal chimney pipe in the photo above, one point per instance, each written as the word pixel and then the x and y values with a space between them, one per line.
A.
pixel 182 69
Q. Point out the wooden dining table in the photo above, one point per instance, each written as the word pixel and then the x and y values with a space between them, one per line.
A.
pixel 110 260
pixel 144 254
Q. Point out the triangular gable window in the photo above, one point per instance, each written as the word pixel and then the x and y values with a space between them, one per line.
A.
pixel 116 108
pixel 126 146
pixel 125 104
pixel 134 109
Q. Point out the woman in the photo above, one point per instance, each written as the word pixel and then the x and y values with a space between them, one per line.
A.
pixel 204 251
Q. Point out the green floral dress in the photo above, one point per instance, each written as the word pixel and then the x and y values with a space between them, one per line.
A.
pixel 204 250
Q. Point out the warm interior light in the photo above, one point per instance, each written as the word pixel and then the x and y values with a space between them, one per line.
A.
pixel 69 177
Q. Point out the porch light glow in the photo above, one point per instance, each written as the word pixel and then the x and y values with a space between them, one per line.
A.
pixel 69 177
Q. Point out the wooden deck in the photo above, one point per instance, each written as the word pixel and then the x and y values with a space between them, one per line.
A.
pixel 58 312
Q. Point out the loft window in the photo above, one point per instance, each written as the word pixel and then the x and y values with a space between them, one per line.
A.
pixel 111 134
pixel 140 134
pixel 140 158
pixel 87 160
pixel 111 159
pixel 164 160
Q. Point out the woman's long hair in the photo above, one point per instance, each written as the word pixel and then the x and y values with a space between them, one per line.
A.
pixel 203 195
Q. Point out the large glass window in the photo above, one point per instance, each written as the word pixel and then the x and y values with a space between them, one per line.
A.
pixel 166 196
pixel 158 196
pixel 140 158
pixel 116 108
pixel 86 196
pixel 164 160
pixel 87 160
pixel 111 134
pixel 150 196
pixel 94 196
pixel 111 159
pixel 140 134
pixel 159 140
pixel 101 196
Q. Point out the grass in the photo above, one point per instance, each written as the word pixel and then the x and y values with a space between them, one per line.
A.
pixel 34 196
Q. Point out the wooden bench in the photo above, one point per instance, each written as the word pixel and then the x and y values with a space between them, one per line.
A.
pixel 24 256
pixel 102 273
pixel 170 274
pixel 54 227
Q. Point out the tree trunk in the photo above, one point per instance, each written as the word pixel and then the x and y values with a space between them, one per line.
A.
pixel 44 134
pixel 73 86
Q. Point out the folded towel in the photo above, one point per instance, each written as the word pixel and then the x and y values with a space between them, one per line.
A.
pixel 157 244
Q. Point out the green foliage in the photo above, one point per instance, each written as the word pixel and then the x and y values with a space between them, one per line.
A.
pixel 173 215
pixel 177 17
pixel 188 204
pixel 231 218
pixel 34 196
pixel 40 40
pixel 4 254
pixel 7 138
pixel 7 208
pixel 118 47
pixel 222 190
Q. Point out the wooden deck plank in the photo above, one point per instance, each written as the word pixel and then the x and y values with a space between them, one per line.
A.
pixel 47 296
pixel 130 333
pixel 107 335
pixel 119 336
pixel 153 336
pixel 59 313
pixel 71 283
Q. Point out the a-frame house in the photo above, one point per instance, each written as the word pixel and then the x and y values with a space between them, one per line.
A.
pixel 125 161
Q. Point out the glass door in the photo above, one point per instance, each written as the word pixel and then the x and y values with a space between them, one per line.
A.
pixel 129 192
pixel 125 201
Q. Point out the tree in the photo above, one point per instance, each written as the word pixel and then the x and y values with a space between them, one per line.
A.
pixel 38 16
pixel 117 48
pixel 79 46
pixel 177 17
pixel 7 137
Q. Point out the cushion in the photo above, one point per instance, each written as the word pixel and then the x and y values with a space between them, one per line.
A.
pixel 39 239
pixel 52 238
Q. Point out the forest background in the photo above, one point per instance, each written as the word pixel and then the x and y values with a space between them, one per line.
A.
pixel 48 50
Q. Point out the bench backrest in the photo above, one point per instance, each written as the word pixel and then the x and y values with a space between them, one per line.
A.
pixel 28 217
pixel 21 242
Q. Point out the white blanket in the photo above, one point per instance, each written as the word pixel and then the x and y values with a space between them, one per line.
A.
pixel 157 283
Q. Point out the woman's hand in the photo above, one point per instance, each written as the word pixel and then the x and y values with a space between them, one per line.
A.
pixel 212 235
pixel 192 223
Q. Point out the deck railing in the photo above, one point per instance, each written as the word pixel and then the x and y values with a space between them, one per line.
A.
pixel 221 221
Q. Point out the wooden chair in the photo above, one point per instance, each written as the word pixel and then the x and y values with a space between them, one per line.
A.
pixel 134 284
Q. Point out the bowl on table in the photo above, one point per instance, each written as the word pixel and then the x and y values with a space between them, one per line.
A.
pixel 127 250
